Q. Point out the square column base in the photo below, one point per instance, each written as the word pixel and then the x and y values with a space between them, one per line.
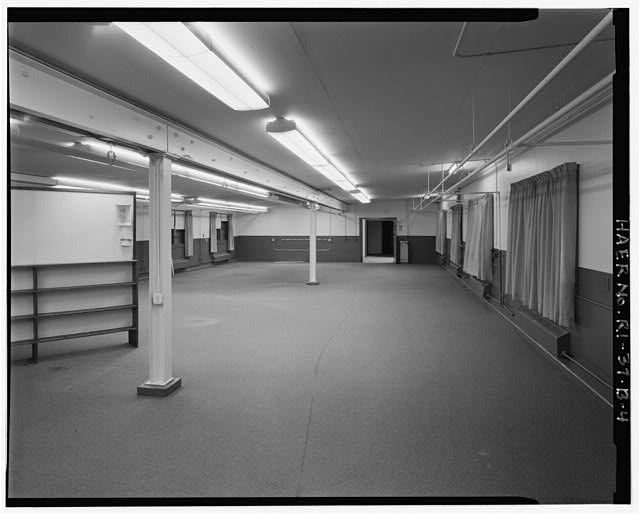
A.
pixel 313 283
pixel 160 390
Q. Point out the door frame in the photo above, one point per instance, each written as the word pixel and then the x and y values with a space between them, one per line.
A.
pixel 363 234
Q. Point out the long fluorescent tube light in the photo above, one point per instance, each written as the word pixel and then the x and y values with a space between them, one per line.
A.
pixel 287 134
pixel 100 185
pixel 223 209
pixel 69 187
pixel 216 180
pixel 358 195
pixel 95 161
pixel 182 49
pixel 231 206
pixel 32 179
pixel 119 153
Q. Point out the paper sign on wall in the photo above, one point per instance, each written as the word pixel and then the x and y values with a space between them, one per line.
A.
pixel 123 214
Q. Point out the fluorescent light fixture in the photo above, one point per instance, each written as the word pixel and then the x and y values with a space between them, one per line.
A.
pixel 225 209
pixel 287 134
pixel 453 168
pixel 68 187
pixel 358 195
pixel 100 162
pixel 100 185
pixel 32 179
pixel 230 206
pixel 216 180
pixel 181 48
pixel 119 153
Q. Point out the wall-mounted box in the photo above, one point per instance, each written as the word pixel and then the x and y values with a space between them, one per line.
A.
pixel 124 214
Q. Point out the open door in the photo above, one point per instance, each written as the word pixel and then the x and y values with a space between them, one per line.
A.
pixel 378 240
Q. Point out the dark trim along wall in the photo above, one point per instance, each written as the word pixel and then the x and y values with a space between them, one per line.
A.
pixel 330 249
pixel 201 255
pixel 591 339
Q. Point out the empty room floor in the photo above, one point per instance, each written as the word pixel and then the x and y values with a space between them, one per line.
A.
pixel 385 380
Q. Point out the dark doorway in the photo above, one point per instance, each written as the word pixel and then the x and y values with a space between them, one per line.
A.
pixel 223 237
pixel 380 238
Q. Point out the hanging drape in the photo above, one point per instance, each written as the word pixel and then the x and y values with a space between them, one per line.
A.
pixel 213 236
pixel 441 232
pixel 231 246
pixel 188 234
pixel 456 235
pixel 479 241
pixel 541 243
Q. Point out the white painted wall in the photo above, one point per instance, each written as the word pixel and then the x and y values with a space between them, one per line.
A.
pixel 284 220
pixel 50 227
pixel 595 181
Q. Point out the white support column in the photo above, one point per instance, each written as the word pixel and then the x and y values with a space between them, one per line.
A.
pixel 312 245
pixel 161 381
pixel 232 233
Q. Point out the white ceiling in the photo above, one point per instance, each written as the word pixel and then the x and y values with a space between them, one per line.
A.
pixel 384 100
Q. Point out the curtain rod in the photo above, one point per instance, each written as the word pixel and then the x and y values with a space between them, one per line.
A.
pixel 532 177
pixel 472 193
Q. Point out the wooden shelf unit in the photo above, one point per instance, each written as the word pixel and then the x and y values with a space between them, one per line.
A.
pixel 38 293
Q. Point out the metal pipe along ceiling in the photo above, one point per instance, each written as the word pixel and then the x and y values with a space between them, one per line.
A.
pixel 600 85
pixel 594 33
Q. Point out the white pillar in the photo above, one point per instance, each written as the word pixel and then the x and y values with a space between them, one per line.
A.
pixel 161 381
pixel 312 246
pixel 231 235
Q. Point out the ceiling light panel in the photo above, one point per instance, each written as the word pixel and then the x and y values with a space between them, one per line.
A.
pixel 218 181
pixel 287 134
pixel 231 206
pixel 300 146
pixel 121 153
pixel 182 49
pixel 110 186
pixel 361 197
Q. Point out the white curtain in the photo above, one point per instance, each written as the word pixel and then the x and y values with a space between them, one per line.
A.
pixel 231 246
pixel 456 234
pixel 188 234
pixel 441 232
pixel 541 243
pixel 479 242
pixel 213 237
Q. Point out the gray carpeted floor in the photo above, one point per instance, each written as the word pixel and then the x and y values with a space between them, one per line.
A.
pixel 383 381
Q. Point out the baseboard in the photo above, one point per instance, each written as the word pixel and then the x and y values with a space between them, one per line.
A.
pixel 552 337
pixel 217 258
pixel 482 288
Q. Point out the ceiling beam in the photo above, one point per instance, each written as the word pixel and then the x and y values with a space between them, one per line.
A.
pixel 38 89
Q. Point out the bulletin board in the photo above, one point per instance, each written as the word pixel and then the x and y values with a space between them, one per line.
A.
pixel 61 226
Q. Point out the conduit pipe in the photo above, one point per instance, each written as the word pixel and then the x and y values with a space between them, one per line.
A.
pixel 600 85
pixel 594 33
